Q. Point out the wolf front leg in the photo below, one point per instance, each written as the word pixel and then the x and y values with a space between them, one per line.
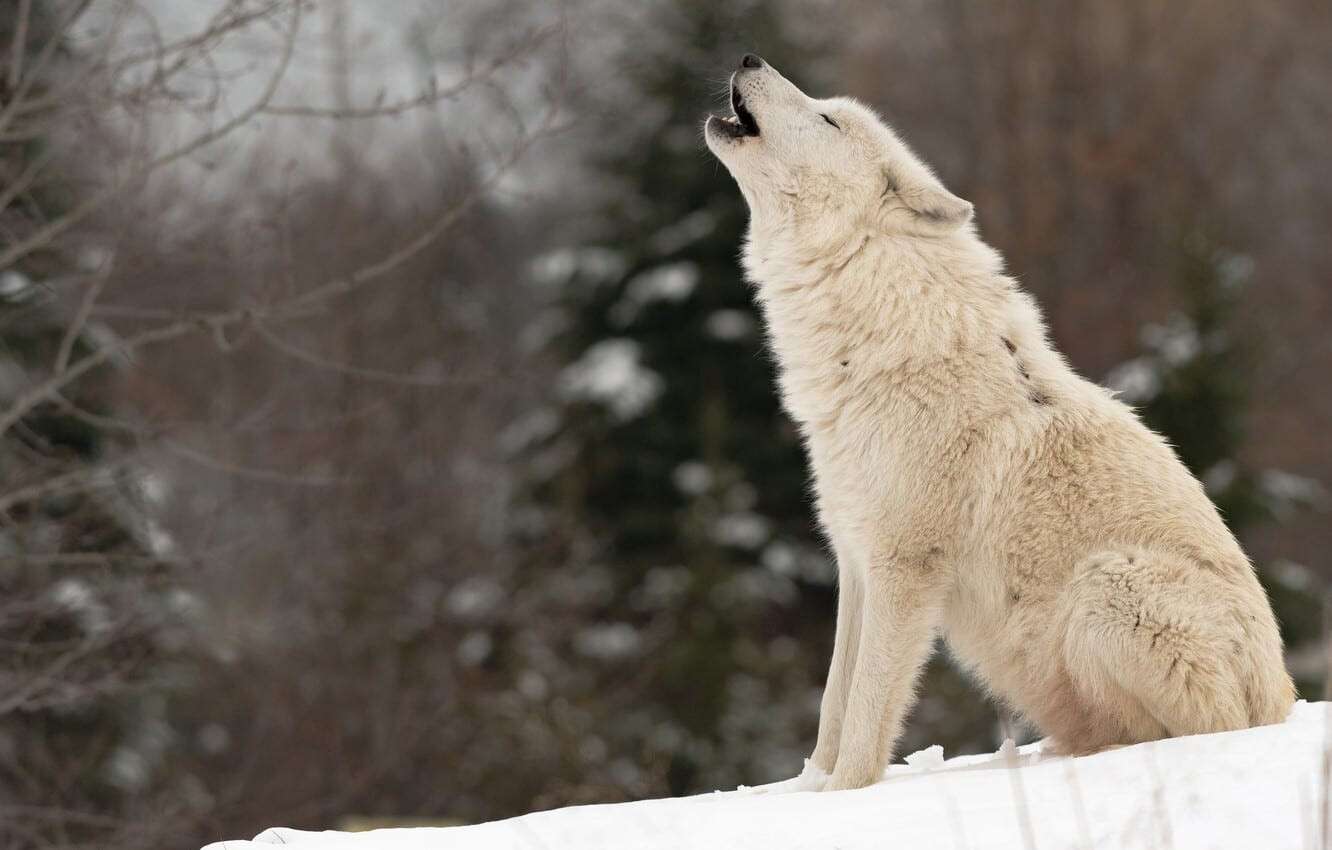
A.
pixel 841 670
pixel 850 606
pixel 902 605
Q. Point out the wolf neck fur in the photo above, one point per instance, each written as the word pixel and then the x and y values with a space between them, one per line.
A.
pixel 838 316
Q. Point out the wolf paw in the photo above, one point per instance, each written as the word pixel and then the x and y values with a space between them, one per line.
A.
pixel 812 778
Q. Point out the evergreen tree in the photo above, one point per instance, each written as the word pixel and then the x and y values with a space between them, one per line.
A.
pixel 682 479
pixel 681 484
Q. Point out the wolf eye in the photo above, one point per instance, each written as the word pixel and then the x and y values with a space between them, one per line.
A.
pixel 832 122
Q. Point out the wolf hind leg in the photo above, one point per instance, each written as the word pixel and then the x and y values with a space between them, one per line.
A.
pixel 1153 644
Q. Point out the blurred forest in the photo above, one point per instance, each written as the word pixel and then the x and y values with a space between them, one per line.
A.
pixel 386 430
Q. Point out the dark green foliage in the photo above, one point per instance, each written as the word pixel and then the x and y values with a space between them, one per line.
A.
pixel 1203 366
pixel 707 447
pixel 702 486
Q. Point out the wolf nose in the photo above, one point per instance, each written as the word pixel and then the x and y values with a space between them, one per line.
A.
pixel 749 60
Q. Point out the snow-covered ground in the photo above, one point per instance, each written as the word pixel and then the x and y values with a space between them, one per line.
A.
pixel 1258 789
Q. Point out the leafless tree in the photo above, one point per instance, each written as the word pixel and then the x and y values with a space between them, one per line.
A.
pixel 345 390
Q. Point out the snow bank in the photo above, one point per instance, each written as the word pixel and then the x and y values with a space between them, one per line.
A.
pixel 1258 789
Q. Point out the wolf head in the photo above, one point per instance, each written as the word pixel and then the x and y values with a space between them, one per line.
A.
pixel 795 157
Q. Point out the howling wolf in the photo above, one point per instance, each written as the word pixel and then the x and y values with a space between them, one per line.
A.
pixel 970 482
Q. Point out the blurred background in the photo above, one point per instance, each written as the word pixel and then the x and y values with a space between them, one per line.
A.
pixel 386 431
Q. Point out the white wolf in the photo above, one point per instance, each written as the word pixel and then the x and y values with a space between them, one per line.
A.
pixel 971 484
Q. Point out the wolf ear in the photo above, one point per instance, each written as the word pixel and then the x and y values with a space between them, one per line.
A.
pixel 924 205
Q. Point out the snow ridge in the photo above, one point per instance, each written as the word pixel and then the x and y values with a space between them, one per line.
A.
pixel 1255 788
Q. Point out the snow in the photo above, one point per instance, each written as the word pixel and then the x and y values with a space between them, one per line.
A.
pixel 611 372
pixel 730 325
pixel 685 232
pixel 932 757
pixel 671 282
pixel 1177 342
pixel 1137 381
pixel 744 529
pixel 78 598
pixel 1256 788
pixel 1289 491
pixel 15 286
pixel 693 477
pixel 474 648
pixel 607 641
pixel 793 560
pixel 555 268
pixel 475 597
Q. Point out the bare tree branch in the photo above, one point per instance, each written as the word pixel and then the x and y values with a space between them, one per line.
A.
pixel 20 45
pixel 29 80
pixel 80 320
pixel 383 376
pixel 432 95
pixel 46 234
pixel 294 307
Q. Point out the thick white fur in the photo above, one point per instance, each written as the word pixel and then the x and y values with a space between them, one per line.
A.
pixel 971 484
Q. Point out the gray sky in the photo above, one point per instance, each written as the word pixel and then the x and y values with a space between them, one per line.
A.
pixel 391 50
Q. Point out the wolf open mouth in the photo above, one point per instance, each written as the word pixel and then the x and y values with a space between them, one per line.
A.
pixel 740 124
